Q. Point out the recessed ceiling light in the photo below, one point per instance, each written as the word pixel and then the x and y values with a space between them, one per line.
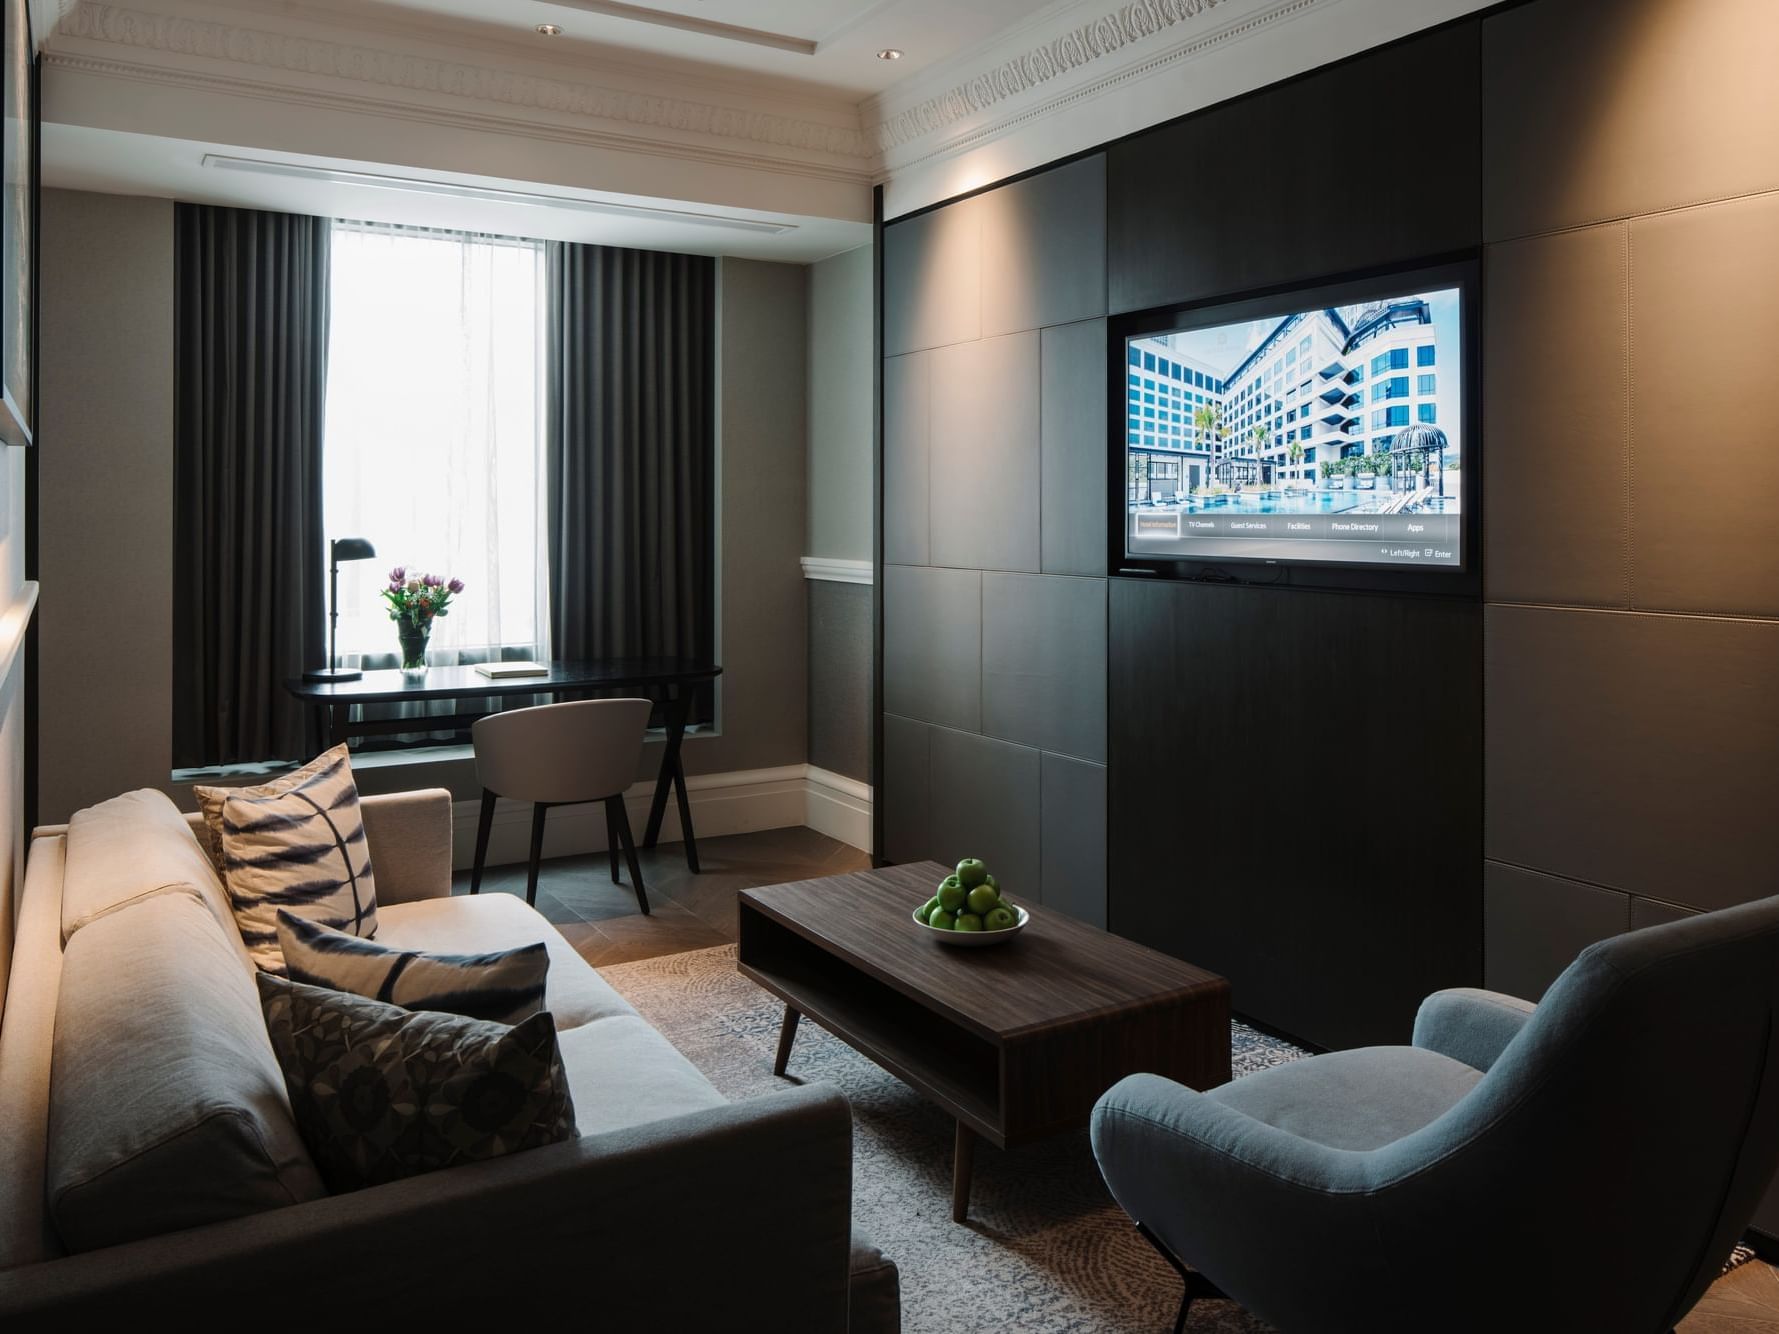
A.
pixel 889 53
pixel 550 29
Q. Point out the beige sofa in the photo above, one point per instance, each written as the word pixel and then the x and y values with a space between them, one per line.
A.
pixel 146 1155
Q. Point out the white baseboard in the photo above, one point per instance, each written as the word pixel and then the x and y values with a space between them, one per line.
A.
pixel 729 803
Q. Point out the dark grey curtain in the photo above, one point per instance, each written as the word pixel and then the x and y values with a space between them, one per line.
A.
pixel 631 450
pixel 250 351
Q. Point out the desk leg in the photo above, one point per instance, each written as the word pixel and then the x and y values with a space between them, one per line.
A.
pixel 672 774
pixel 963 1166
pixel 335 720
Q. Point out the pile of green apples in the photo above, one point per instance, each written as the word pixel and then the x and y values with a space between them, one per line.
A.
pixel 969 899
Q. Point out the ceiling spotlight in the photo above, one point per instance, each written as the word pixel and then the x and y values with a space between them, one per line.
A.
pixel 550 29
pixel 889 53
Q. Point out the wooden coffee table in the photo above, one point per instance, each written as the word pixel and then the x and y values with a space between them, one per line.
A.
pixel 1016 1041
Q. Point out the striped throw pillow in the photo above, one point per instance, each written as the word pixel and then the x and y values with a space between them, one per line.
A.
pixel 506 987
pixel 298 845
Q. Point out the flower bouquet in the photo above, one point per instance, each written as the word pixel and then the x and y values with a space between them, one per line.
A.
pixel 415 601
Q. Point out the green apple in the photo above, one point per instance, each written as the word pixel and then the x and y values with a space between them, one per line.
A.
pixel 992 883
pixel 952 895
pixel 969 921
pixel 943 920
pixel 1001 919
pixel 984 900
pixel 926 909
pixel 971 872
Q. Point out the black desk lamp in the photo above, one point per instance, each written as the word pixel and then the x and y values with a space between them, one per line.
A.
pixel 341 548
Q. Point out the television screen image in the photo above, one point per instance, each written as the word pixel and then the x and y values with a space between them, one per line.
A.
pixel 1331 435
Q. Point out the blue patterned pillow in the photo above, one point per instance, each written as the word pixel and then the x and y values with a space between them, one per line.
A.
pixel 506 987
pixel 295 844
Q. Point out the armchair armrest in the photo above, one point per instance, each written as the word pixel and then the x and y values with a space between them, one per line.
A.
pixel 409 834
pixel 736 1217
pixel 1469 1025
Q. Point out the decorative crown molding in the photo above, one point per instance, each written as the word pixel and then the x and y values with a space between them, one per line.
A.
pixel 164 36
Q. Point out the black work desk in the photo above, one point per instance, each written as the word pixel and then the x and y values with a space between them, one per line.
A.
pixel 678 678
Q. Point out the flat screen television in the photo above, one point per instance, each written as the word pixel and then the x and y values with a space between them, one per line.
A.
pixel 1327 428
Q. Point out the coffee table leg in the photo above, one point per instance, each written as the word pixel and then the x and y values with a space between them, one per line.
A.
pixel 787 1034
pixel 963 1163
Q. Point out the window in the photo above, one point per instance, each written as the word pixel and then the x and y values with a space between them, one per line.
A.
pixel 1426 384
pixel 1425 353
pixel 1396 359
pixel 432 445
pixel 1427 412
pixel 1395 387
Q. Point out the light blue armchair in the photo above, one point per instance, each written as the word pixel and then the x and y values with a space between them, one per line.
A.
pixel 1585 1164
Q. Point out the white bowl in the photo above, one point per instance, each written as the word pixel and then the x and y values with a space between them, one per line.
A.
pixel 975 939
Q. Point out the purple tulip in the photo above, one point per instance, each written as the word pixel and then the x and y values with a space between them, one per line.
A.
pixel 432 581
pixel 398 574
pixel 455 586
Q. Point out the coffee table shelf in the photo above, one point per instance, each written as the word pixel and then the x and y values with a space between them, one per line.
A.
pixel 1017 1042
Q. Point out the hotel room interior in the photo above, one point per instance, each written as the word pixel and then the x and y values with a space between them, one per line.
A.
pixel 890 665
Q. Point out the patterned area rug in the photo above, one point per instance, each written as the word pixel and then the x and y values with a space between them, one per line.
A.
pixel 1045 1251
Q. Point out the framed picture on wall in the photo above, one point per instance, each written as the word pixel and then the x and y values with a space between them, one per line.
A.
pixel 18 227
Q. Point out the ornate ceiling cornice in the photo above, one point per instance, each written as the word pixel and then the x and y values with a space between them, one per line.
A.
pixel 1130 41
pixel 153 39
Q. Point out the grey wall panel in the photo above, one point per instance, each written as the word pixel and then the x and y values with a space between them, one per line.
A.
pixel 840 678
pixel 985 804
pixel 1634 751
pixel 1044 662
pixel 1651 912
pixel 932 645
pixel 842 352
pixel 985 476
pixel 1073 444
pixel 1597 109
pixel 1073 840
pixel 932 286
pixel 1044 249
pixel 1534 925
pixel 1705 474
pixel 907 806
pixel 907 416
pixel 1207 207
pixel 1557 348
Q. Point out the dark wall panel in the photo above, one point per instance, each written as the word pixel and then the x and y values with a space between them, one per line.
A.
pixel 1295 792
pixel 1534 925
pixel 840 678
pixel 1635 751
pixel 1280 187
pixel 1597 109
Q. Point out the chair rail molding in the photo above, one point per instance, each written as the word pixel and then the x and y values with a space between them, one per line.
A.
pixel 835 570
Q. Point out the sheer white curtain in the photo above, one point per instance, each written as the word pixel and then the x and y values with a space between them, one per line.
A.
pixel 434 435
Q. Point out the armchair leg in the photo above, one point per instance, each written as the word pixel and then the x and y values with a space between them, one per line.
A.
pixel 537 852
pixel 484 824
pixel 1196 1284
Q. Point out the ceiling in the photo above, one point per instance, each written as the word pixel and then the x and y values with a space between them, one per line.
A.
pixel 839 38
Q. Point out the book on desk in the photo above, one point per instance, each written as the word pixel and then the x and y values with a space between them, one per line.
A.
pixel 507 671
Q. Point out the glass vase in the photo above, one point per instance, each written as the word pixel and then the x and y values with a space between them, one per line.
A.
pixel 413 642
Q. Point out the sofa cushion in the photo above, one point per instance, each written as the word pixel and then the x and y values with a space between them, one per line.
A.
pixel 573 992
pixel 167 1107
pixel 298 845
pixel 873 1289
pixel 382 1093
pixel 506 986
pixel 1360 1099
pixel 623 1073
pixel 128 849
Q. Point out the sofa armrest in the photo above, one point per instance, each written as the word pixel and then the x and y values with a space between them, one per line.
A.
pixel 1469 1025
pixel 409 834
pixel 735 1218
